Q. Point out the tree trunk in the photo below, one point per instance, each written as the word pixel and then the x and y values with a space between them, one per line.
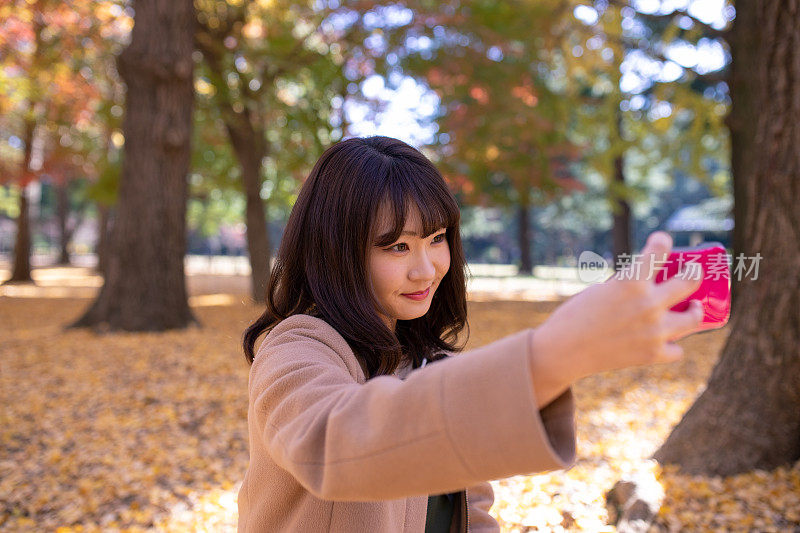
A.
pixel 104 223
pixel 749 415
pixel 145 286
pixel 523 217
pixel 621 231
pixel 743 114
pixel 21 270
pixel 62 212
pixel 248 143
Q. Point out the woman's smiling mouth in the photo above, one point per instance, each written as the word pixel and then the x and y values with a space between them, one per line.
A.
pixel 418 295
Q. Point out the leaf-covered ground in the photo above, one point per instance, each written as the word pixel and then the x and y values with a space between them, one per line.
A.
pixel 148 431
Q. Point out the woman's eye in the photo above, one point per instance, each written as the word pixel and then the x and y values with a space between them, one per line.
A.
pixel 395 247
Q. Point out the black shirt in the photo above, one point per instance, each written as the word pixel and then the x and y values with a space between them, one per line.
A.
pixel 440 513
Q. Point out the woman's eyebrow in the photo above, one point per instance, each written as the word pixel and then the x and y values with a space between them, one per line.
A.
pixel 414 233
pixel 405 232
pixel 388 234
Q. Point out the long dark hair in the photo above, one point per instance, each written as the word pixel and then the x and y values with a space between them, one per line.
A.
pixel 321 265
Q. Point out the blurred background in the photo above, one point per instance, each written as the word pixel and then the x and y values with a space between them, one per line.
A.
pixel 561 126
pixel 151 152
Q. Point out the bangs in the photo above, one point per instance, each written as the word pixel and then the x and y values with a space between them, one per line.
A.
pixel 418 189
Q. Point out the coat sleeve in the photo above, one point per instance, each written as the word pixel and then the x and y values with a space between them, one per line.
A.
pixel 454 424
pixel 480 500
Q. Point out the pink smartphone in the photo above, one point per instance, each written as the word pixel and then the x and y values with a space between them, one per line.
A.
pixel 709 260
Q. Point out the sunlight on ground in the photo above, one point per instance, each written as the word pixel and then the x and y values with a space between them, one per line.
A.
pixel 209 300
pixel 487 283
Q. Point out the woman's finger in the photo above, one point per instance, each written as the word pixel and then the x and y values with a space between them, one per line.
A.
pixel 681 323
pixel 676 289
pixel 655 252
pixel 641 267
pixel 658 242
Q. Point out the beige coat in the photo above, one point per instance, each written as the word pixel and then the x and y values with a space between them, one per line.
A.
pixel 330 451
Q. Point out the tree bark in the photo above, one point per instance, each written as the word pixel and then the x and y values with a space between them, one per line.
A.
pixel 65 229
pixel 21 270
pixel 743 114
pixel 248 139
pixel 104 223
pixel 145 286
pixel 621 231
pixel 62 214
pixel 249 144
pixel 749 415
pixel 523 217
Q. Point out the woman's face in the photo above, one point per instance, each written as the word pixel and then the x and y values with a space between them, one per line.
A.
pixel 412 263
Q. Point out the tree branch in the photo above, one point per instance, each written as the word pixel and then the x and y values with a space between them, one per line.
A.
pixel 630 44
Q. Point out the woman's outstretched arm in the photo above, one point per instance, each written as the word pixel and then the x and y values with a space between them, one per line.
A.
pixel 450 425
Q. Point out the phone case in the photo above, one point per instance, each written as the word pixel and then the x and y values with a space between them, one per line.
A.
pixel 710 260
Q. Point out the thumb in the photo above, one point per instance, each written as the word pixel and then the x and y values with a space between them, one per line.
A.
pixel 659 245
pixel 658 242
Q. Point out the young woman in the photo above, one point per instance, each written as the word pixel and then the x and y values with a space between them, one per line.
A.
pixel 363 415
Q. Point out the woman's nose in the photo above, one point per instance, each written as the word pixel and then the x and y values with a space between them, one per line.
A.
pixel 423 268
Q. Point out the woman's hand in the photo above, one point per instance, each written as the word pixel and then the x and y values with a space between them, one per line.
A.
pixel 622 322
